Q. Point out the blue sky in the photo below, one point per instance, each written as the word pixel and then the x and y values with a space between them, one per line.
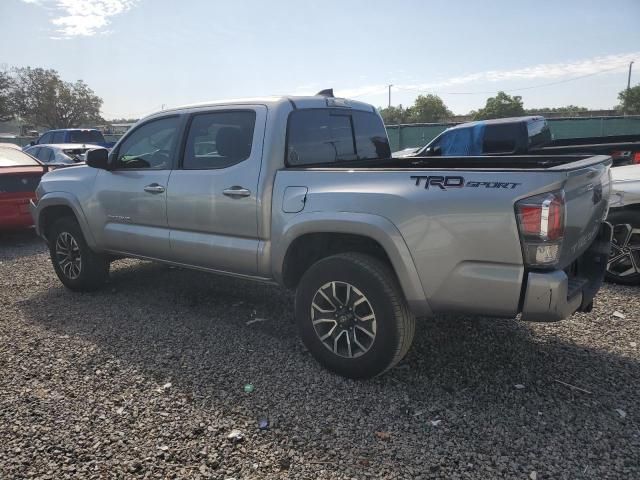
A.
pixel 140 54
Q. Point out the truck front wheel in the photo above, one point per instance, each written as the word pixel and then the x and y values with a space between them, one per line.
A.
pixel 77 266
pixel 352 315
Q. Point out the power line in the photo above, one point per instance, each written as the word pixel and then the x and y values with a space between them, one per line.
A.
pixel 514 89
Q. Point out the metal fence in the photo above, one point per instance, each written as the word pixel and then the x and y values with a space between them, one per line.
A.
pixel 418 134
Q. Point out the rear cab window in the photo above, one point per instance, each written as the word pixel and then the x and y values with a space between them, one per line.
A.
pixel 331 135
pixel 501 138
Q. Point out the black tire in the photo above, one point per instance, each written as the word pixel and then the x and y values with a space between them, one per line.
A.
pixel 93 270
pixel 394 322
pixel 620 219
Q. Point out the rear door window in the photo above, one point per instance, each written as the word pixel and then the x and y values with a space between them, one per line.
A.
pixel 539 133
pixel 321 136
pixel 501 138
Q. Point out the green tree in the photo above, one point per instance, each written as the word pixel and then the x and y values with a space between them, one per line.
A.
pixel 429 108
pixel 395 115
pixel 42 98
pixel 630 100
pixel 7 111
pixel 500 106
pixel 569 110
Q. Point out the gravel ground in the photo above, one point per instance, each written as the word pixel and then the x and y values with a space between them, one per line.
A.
pixel 146 379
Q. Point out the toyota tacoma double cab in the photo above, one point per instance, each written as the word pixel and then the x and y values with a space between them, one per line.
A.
pixel 303 192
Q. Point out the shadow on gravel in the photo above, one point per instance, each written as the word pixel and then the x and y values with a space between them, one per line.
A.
pixel 191 329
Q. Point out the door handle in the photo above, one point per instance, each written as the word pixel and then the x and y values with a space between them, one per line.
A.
pixel 236 192
pixel 154 188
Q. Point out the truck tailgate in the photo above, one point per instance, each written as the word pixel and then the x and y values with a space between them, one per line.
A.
pixel 586 191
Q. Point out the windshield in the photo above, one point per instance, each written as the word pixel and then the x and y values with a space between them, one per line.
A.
pixel 10 157
pixel 86 136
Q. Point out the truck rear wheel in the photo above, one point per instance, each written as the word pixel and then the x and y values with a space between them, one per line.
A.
pixel 624 261
pixel 77 266
pixel 352 315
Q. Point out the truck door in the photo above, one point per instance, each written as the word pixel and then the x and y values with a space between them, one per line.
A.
pixel 130 212
pixel 212 197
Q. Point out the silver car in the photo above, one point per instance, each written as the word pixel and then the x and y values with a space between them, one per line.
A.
pixel 60 154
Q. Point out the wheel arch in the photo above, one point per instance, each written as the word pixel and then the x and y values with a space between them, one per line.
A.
pixel 312 236
pixel 51 207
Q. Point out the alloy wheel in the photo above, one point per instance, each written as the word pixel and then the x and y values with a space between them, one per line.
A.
pixel 343 319
pixel 68 255
pixel 624 259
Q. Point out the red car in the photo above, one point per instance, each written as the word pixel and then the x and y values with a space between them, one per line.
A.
pixel 19 176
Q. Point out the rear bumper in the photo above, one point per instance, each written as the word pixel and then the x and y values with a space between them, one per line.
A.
pixel 552 296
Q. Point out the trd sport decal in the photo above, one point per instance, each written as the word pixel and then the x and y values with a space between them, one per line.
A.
pixel 447 182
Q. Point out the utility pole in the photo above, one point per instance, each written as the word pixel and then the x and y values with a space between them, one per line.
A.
pixel 390 95
pixel 628 78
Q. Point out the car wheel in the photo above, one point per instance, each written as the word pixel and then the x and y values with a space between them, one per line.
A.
pixel 624 260
pixel 77 266
pixel 352 315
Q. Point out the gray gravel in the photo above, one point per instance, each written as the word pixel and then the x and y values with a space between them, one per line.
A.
pixel 146 379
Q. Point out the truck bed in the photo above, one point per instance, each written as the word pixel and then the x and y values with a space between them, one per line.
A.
pixel 456 215
pixel 624 149
pixel 502 163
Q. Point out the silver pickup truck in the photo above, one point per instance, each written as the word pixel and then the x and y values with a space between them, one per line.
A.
pixel 303 192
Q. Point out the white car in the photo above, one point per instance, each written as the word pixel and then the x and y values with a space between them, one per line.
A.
pixel 624 215
pixel 60 154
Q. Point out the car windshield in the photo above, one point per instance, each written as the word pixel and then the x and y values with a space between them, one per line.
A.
pixel 86 136
pixel 10 157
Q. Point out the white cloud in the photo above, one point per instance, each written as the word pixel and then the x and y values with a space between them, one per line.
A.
pixel 544 71
pixel 83 18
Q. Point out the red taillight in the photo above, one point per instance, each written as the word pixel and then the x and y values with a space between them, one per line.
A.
pixel 530 219
pixel 636 158
pixel 555 219
pixel 542 216
pixel 541 222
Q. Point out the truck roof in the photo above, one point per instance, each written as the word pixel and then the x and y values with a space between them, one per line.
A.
pixel 497 121
pixel 297 102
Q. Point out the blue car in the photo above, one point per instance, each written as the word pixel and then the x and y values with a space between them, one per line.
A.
pixel 73 135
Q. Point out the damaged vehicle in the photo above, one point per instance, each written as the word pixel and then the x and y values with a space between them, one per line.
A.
pixel 303 192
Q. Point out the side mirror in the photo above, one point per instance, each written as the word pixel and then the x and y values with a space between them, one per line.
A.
pixel 32 143
pixel 98 158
